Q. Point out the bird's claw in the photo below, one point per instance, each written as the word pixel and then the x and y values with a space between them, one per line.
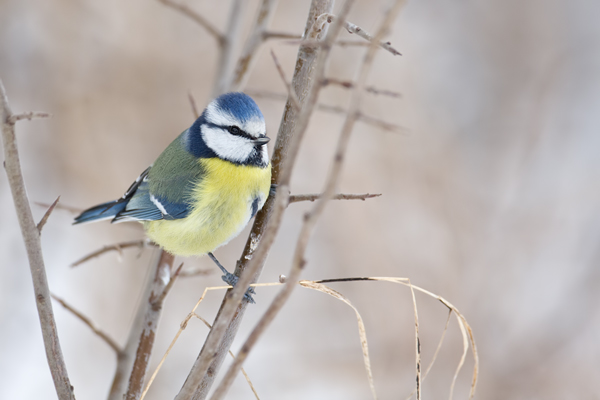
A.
pixel 232 280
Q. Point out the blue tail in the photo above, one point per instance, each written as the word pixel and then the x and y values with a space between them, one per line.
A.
pixel 102 211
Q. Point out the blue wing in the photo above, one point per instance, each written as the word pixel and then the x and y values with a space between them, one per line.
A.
pixel 137 204
pixel 142 205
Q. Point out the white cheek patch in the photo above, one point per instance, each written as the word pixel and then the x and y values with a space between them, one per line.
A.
pixel 226 146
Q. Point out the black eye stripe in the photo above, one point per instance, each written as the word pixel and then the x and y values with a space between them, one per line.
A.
pixel 228 129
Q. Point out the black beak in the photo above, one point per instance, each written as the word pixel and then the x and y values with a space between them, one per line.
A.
pixel 261 140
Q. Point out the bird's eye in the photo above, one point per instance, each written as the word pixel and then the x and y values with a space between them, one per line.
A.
pixel 234 130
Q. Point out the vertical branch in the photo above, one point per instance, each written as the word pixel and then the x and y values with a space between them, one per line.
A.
pixel 31 237
pixel 328 193
pixel 141 336
pixel 246 60
pixel 309 62
pixel 224 65
pixel 153 308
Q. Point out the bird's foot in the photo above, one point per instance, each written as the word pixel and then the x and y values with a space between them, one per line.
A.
pixel 232 280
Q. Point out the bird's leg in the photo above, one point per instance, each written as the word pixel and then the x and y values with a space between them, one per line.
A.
pixel 273 189
pixel 231 279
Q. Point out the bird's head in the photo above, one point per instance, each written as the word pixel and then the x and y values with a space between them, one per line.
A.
pixel 231 128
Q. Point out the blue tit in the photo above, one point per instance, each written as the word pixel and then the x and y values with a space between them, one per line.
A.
pixel 205 186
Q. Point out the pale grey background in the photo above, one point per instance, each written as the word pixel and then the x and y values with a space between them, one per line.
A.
pixel 491 199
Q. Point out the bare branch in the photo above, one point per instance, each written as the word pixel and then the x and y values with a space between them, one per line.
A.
pixel 42 222
pixel 153 308
pixel 257 36
pixel 309 69
pixel 101 334
pixel 328 192
pixel 312 197
pixel 131 366
pixel 31 237
pixel 368 89
pixel 291 95
pixel 113 247
pixel 188 12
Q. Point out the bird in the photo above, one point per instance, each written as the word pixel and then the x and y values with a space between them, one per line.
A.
pixel 204 188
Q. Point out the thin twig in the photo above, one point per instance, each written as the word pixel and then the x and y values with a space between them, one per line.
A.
pixel 100 333
pixel 191 272
pixel 352 28
pixel 31 237
pixel 44 219
pixel 280 35
pixel 342 196
pixel 225 62
pixel 388 126
pixel 112 247
pixel 28 115
pixel 310 65
pixel 188 12
pixel 328 192
pixel 368 89
pixel 292 96
pixel 255 39
pixel 60 206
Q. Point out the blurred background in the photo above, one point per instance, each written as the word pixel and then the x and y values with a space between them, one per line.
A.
pixel 491 198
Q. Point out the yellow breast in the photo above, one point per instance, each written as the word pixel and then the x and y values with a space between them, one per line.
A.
pixel 222 208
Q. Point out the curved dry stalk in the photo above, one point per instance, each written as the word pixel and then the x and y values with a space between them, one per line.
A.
pixel 362 333
pixel 31 237
pixel 435 354
pixel 182 327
